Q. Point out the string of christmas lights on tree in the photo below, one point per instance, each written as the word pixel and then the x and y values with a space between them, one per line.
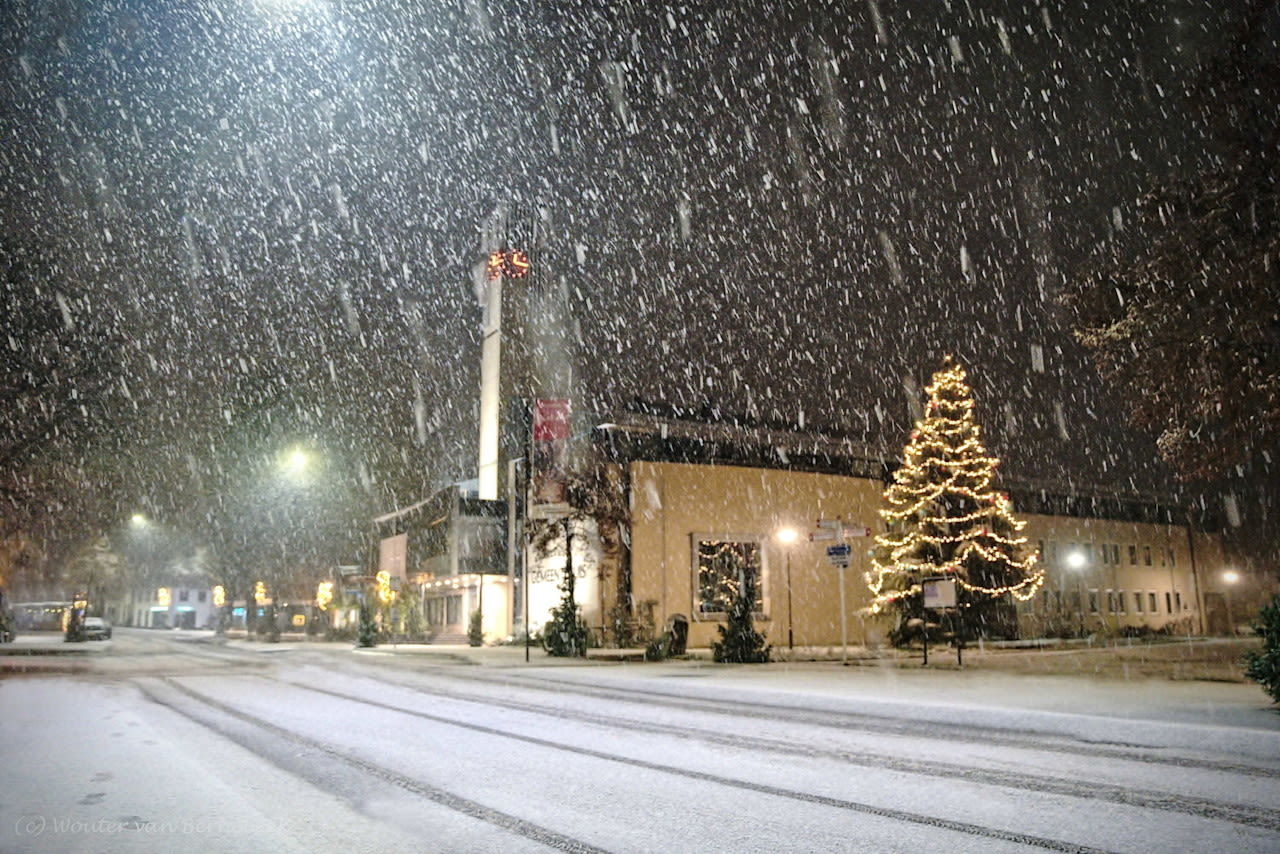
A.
pixel 943 515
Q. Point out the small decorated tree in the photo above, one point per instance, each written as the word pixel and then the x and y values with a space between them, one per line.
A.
pixel 945 519
pixel 566 634
pixel 739 642
pixel 366 628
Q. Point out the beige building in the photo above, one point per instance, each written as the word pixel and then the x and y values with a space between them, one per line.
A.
pixel 694 525
pixel 1117 576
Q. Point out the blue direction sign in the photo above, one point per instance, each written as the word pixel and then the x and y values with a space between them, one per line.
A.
pixel 838 555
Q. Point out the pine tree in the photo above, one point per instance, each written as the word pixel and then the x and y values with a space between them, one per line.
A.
pixel 366 629
pixel 945 520
pixel 566 634
pixel 739 642
pixel 1263 666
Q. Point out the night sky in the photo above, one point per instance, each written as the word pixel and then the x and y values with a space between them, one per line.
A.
pixel 782 212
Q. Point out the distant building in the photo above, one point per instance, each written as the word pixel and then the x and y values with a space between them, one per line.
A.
pixel 452 549
pixel 183 602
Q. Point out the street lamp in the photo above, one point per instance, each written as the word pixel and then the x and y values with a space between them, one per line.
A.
pixel 1077 562
pixel 787 536
pixel 1230 578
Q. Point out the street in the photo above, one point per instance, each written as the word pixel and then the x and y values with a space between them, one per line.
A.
pixel 156 740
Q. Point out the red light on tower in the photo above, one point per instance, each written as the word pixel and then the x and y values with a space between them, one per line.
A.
pixel 509 263
pixel 495 264
pixel 517 266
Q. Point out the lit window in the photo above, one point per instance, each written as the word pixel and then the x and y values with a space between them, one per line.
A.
pixel 722 565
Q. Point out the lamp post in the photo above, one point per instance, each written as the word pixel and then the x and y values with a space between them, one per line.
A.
pixel 1077 561
pixel 1230 579
pixel 787 536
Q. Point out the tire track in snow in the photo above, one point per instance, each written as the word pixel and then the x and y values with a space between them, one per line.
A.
pixel 1124 795
pixel 505 821
pixel 861 721
pixel 934 822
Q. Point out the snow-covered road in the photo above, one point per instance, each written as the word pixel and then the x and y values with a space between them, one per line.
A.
pixel 222 749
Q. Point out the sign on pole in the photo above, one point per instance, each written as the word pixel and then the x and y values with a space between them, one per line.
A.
pixel 939 593
pixel 838 555
pixel 550 469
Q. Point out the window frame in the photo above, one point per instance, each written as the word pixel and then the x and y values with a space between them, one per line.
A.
pixel 696 539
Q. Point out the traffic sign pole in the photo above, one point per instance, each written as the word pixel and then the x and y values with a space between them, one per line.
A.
pixel 844 623
pixel 839 556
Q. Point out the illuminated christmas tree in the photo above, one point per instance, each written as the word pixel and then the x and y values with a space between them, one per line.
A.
pixel 946 520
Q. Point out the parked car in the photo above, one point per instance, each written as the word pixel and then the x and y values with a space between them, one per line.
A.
pixel 96 628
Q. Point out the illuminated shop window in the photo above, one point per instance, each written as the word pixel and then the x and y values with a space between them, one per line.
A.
pixel 722 565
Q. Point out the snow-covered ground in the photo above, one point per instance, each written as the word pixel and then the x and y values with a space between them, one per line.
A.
pixel 252 747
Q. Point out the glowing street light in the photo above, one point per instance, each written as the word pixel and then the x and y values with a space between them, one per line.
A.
pixel 296 463
pixel 1077 561
pixel 787 536
pixel 1230 578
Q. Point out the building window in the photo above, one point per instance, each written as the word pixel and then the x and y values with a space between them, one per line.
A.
pixel 183 595
pixel 1075 601
pixel 453 610
pixel 1093 601
pixel 1152 605
pixel 1111 601
pixel 1168 602
pixel 1146 555
pixel 722 564
pixel 201 596
pixel 1115 554
pixel 1177 601
pixel 1137 601
pixel 1133 555
pixel 1120 605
